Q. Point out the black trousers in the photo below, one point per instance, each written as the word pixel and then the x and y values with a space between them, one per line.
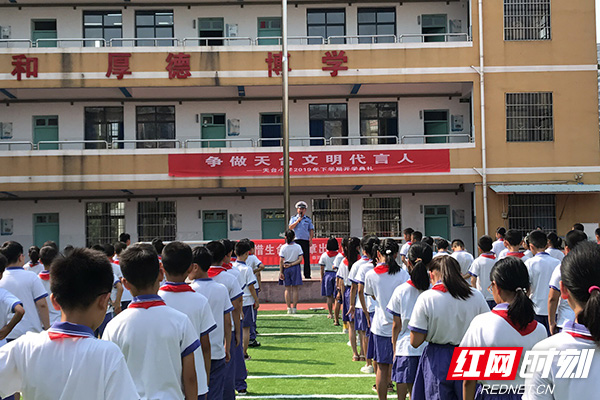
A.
pixel 306 250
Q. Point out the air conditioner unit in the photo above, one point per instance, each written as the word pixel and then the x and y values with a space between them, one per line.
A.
pixel 4 32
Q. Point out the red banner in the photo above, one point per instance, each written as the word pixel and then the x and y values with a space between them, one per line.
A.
pixel 350 162
pixel 267 250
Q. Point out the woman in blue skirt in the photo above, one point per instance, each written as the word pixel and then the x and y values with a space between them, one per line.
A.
pixel 290 258
pixel 328 269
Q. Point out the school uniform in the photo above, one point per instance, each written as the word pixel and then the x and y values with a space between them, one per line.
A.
pixel 480 269
pixel 53 312
pixel 36 268
pixel 126 297
pixel 328 281
pixel 404 249
pixel 540 269
pixel 220 305
pixel 248 320
pixel 558 254
pixel 498 247
pixel 519 254
pixel 66 362
pixel 495 329
pixel 444 320
pixel 406 359
pixel 381 284
pixel 336 265
pixel 27 287
pixel 183 298
pixel 573 337
pixel 344 274
pixel 153 338
pixel 254 263
pixel 440 254
pixel 465 259
pixel 357 277
pixel 109 309
pixel 8 302
pixel 564 312
pixel 290 253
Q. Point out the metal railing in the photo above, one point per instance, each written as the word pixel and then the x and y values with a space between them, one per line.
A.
pixel 148 143
pixel 431 139
pixel 59 42
pixel 135 42
pixel 364 140
pixel 224 41
pixel 362 39
pixel 189 143
pixel 421 37
pixel 60 144
pixel 293 40
pixel 8 145
pixel 7 43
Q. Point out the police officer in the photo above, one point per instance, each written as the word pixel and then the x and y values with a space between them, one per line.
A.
pixel 303 226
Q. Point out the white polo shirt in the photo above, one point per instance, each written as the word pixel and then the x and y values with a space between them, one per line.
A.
pixel 480 269
pixel 558 254
pixel 506 253
pixel 564 312
pixel 196 307
pixel 443 318
pixel 327 262
pixel 254 263
pixel 382 286
pixel 249 280
pixel 464 258
pixel 343 273
pixel 236 272
pixel 233 287
pixel 404 249
pixel 52 312
pixel 153 340
pixel 8 302
pixel 352 278
pixel 290 252
pixel 361 272
pixel 440 254
pixel 498 247
pixel 401 305
pixel 338 260
pixel 540 269
pixel 35 268
pixel 76 367
pixel 126 296
pixel 27 287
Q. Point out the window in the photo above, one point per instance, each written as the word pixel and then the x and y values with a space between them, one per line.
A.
pixel 326 23
pixel 331 217
pixel 328 121
pixel 435 122
pixel 527 20
pixel 431 24
pixel 155 122
pixel 527 212
pixel 379 119
pixel 270 127
pixel 154 24
pixel 529 117
pixel 377 22
pixel 381 217
pixel 104 222
pixel 42 31
pixel 103 123
pixel 211 28
pixel 102 25
pixel 157 219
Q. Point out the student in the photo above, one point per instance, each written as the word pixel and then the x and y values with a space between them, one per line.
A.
pixel 580 286
pixel 407 242
pixel 250 302
pixel 351 255
pixel 510 324
pixel 28 288
pixel 380 284
pixel 117 291
pixel 158 245
pixel 430 242
pixel 464 258
pixel 34 265
pixel 401 304
pixel 257 267
pixel 67 361
pixel 177 262
pixel 498 246
pixel 540 269
pixel 338 295
pixel 119 247
pixel 126 297
pixel 442 247
pixel 47 255
pixel 11 308
pixel 481 267
pixel 328 273
pixel 220 306
pixel 512 241
pixel 416 237
pixel 559 311
pixel 553 248
pixel 430 321
pixel 149 333
pixel 290 257
pixel 228 262
pixel 125 238
pixel 578 227
pixel 597 233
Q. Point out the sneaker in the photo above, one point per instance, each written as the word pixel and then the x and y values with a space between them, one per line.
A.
pixel 345 331
pixel 349 344
pixel 254 343
pixel 289 311
pixel 374 388
pixel 247 357
pixel 242 392
pixel 367 369
pixel 294 310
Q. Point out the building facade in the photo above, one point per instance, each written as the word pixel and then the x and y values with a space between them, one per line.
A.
pixel 163 119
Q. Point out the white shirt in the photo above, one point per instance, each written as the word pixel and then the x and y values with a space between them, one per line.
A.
pixel 361 272
pixel 338 260
pixel 564 312
pixel 498 247
pixel 343 273
pixel 492 330
pixel 254 263
pixel 481 268
pixel 505 253
pixel 27 287
pixel 8 302
pixel 558 254
pixel 153 341
pixel 240 278
pixel 404 249
pixel 65 369
pixel 540 269
pixel 249 279
pixel 567 389
pixel 352 277
pixel 290 252
pixel 382 286
pixel 126 296
pixel 220 305
pixel 441 253
pixel 327 262
pixel 401 305
pixel 233 287
pixel 443 318
pixel 52 312
pixel 196 307
pixel 35 268
pixel 464 258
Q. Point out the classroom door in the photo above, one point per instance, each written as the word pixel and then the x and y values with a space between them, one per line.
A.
pixel 435 123
pixel 213 127
pixel 273 223
pixel 214 224
pixel 269 27
pixel 437 221
pixel 43 29
pixel 211 28
pixel 45 128
pixel 45 227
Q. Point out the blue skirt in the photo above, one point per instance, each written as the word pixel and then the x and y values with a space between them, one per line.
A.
pixel 328 284
pixel 383 348
pixel 371 344
pixel 404 369
pixel 346 306
pixel 361 320
pixel 292 276
pixel 430 382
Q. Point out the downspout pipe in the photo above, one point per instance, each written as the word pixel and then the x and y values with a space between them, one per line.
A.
pixel 481 73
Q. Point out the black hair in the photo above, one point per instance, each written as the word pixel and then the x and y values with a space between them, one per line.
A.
pixel 228 244
pixel 98 247
pixel 77 280
pixel 50 243
pixel 332 244
pixel 109 250
pixel 177 258
pixel 428 240
pixel 290 235
pixel 451 277
pixel 251 244
pixel 47 255
pixel 12 251
pixel 485 243
pixel 458 243
pixel 139 265
pixel 501 231
pixel 514 237
pixel 419 255
pixel 119 247
pixel 538 239
pixel 217 251
pixel 554 241
pixel 389 249
pixel 511 274
pixel 368 242
pixel 597 232
pixel 124 237
pixel 3 263
pixel 408 231
pixel 34 254
pixel 574 237
pixel 158 245
pixel 578 227
pixel 579 273
pixel 442 244
pixel 202 257
pixel 242 247
pixel 68 250
pixel 416 236
pixel 351 251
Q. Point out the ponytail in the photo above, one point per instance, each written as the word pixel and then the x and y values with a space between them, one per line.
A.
pixel 351 251
pixel 34 254
pixel 510 274
pixel 419 255
pixel 290 235
pixel 449 269
pixel 389 249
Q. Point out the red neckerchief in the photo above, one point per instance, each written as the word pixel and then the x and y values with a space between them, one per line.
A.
pixel 577 331
pixel 227 265
pixel 214 271
pixel 491 256
pixel 332 254
pixel 409 243
pixel 517 254
pixel 381 269
pixel 410 282
pixel 44 275
pixel 67 330
pixel 116 262
pixel 440 286
pixel 172 287
pixel 504 314
pixel 146 303
pixel 345 262
pixel 233 259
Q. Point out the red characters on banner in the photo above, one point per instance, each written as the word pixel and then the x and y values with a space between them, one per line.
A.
pixel 334 61
pixel 24 65
pixel 118 65
pixel 178 65
pixel 275 63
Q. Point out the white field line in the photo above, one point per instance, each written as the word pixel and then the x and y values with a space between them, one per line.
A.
pixel 319 396
pixel 310 376
pixel 301 333
pixel 287 315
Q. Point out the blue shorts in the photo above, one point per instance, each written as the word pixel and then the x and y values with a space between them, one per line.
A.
pixel 360 322
pixel 249 316
pixel 328 284
pixel 383 348
pixel 346 306
pixel 292 276
pixel 404 369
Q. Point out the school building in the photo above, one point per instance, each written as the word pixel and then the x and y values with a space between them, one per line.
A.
pixel 163 118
